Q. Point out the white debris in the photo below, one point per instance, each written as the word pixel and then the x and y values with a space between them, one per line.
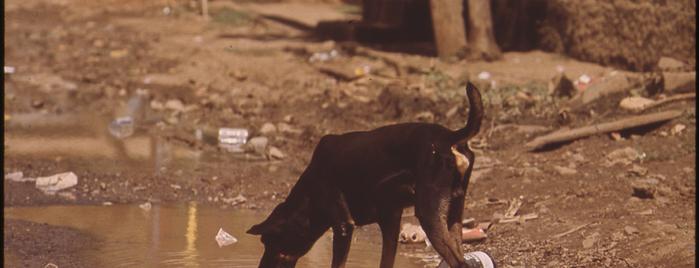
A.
pixel 224 239
pixel 585 79
pixel 677 129
pixel 9 69
pixel 484 75
pixel 18 177
pixel 634 103
pixel 145 206
pixel 55 183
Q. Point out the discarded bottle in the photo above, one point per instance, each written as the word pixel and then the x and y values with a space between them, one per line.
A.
pixel 232 139
pixel 122 127
pixel 476 259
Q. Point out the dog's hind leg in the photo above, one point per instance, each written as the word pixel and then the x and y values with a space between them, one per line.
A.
pixel 342 238
pixel 389 222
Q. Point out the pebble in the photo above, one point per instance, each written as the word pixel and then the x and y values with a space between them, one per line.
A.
pixel 677 129
pixel 565 170
pixel 268 128
pixel 257 144
pixel 174 104
pixel 634 103
pixel 275 153
pixel 629 230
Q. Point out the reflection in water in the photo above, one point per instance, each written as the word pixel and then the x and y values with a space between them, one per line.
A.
pixel 183 236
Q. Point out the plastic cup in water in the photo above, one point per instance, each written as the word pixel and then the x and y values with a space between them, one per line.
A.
pixel 476 259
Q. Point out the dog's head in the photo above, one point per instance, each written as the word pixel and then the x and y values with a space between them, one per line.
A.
pixel 286 234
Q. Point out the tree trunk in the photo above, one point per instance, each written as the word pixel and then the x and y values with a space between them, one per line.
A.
pixel 481 39
pixel 448 24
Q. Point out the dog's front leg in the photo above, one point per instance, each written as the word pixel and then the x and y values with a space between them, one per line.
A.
pixel 389 222
pixel 342 238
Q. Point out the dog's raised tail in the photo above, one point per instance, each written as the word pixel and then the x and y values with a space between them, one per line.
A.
pixel 475 116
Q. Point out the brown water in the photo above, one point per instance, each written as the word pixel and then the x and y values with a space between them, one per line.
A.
pixel 183 236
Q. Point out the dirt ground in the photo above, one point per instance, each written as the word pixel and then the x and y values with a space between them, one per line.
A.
pixel 240 69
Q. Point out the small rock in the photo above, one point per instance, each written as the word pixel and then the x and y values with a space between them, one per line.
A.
pixel 590 241
pixel 670 64
pixel 624 156
pixel 616 136
pixel 561 86
pixel 268 128
pixel 484 75
pixel 257 145
pixel 156 105
pixel 37 104
pixel 677 129
pixel 643 190
pixel 107 203
pixel 634 103
pixel 288 118
pixel 275 153
pixel 629 230
pixel 174 104
pixel 638 170
pixel 425 116
pixel 565 170
pixel 286 128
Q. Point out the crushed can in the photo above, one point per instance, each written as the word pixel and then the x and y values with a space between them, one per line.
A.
pixel 232 139
pixel 475 259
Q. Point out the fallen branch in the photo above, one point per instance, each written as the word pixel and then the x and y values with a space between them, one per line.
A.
pixel 669 99
pixel 570 231
pixel 573 134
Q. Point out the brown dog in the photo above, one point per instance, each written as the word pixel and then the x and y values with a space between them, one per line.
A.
pixel 369 177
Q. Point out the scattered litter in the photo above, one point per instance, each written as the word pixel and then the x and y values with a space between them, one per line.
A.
pixel 571 231
pixel 515 204
pixel 18 177
pixel 9 69
pixel 476 259
pixel 323 56
pixel 635 103
pixel 362 70
pixel 146 206
pixel 484 75
pixel 677 129
pixel 469 223
pixel 235 200
pixel 122 127
pixel 519 219
pixel 50 265
pixel 224 239
pixel 411 233
pixel 232 139
pixel 175 186
pixel 475 234
pixel 55 183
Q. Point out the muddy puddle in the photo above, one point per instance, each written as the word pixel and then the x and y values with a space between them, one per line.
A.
pixel 183 236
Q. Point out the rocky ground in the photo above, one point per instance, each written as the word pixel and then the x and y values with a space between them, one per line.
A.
pixel 627 198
